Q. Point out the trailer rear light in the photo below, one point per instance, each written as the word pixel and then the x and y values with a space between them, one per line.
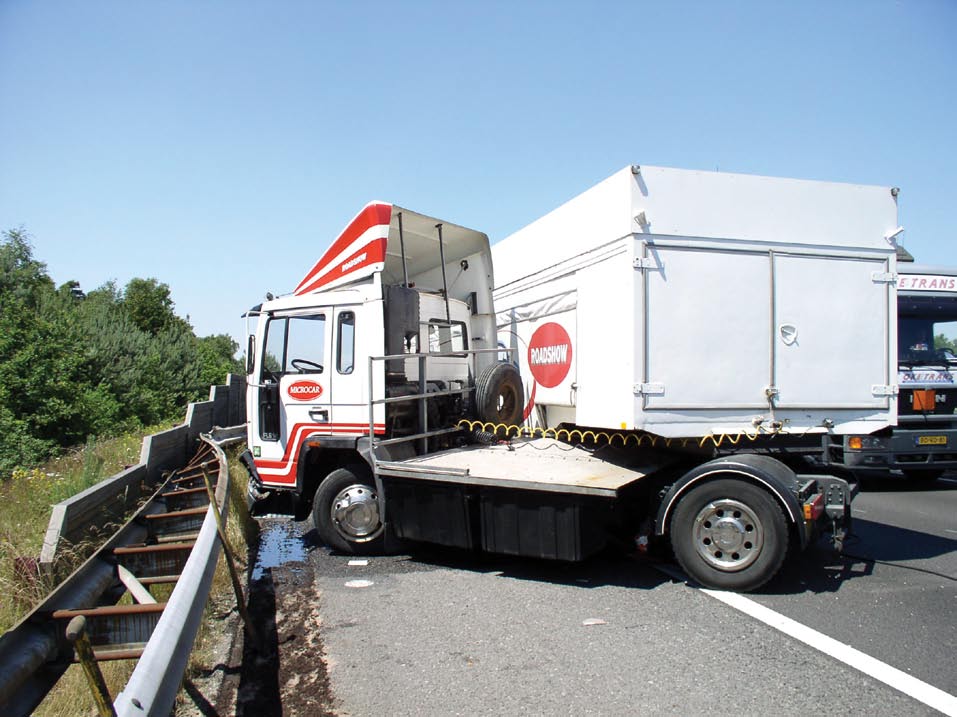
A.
pixel 814 508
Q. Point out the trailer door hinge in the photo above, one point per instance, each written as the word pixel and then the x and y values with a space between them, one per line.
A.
pixel 649 389
pixel 645 262
pixel 878 390
pixel 883 277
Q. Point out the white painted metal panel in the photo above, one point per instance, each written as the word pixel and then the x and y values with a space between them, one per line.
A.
pixel 679 202
pixel 831 320
pixel 710 205
pixel 707 326
pixel 606 339
pixel 592 219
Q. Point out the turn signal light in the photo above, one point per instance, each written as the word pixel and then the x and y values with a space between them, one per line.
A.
pixel 855 443
pixel 925 400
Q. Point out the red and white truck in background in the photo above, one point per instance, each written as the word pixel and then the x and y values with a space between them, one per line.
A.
pixel 924 443
pixel 661 360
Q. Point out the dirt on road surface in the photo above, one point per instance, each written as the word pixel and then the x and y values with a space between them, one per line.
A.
pixel 284 671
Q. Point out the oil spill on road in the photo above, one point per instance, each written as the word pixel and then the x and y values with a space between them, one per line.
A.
pixel 281 542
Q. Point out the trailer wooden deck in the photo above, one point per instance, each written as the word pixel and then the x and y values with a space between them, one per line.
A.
pixel 542 464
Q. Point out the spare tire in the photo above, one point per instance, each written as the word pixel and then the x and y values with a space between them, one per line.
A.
pixel 499 397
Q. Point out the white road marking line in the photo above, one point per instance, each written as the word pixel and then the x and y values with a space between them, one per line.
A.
pixel 948 530
pixel 890 676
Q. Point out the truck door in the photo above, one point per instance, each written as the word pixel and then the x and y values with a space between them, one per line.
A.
pixel 357 332
pixel 814 358
pixel 295 390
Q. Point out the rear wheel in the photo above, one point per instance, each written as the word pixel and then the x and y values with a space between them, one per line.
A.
pixel 730 535
pixel 345 512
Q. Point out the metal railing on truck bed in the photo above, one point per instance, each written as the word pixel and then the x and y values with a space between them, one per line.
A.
pixel 422 397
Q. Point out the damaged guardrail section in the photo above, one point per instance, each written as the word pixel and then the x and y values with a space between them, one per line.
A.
pixel 110 499
pixel 156 679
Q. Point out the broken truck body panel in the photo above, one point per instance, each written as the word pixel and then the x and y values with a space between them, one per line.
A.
pixel 658 309
pixel 697 303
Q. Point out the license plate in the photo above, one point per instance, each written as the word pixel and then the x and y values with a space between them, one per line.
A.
pixel 932 440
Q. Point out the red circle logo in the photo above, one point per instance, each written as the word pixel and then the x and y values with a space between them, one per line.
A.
pixel 304 390
pixel 550 354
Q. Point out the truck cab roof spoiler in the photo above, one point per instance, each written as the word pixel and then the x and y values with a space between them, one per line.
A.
pixel 399 243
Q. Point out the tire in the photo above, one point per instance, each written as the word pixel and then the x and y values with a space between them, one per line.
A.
pixel 730 535
pixel 345 511
pixel 499 397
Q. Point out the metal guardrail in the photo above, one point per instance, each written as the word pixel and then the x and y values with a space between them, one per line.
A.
pixel 149 549
pixel 152 688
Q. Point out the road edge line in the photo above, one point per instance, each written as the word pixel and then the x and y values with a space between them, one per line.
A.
pixel 872 667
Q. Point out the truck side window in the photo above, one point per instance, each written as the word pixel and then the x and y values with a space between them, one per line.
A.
pixel 346 342
pixel 294 344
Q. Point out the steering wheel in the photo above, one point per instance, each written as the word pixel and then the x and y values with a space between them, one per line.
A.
pixel 304 365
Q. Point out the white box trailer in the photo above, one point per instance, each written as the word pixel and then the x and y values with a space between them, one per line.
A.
pixel 687 303
pixel 672 346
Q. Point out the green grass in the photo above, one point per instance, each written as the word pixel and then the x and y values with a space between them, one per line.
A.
pixel 26 499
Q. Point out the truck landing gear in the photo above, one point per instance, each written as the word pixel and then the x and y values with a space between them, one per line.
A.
pixel 345 512
pixel 729 534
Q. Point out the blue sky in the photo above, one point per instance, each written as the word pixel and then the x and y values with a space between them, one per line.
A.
pixel 220 146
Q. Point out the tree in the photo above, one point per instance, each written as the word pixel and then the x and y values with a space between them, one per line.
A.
pixel 217 358
pixel 47 397
pixel 74 364
pixel 942 342
pixel 148 304
pixel 22 278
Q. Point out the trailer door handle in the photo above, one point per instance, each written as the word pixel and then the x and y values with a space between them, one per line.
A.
pixel 319 415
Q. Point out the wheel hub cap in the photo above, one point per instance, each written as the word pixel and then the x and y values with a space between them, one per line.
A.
pixel 728 535
pixel 355 512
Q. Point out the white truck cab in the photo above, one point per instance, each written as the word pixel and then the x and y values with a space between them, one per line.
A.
pixel 381 288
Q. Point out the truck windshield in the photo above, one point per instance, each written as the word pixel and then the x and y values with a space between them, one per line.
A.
pixel 927 330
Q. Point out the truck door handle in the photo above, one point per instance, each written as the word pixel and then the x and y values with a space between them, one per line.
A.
pixel 319 415
pixel 789 333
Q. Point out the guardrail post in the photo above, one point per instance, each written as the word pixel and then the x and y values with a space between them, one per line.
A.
pixel 76 633
pixel 233 574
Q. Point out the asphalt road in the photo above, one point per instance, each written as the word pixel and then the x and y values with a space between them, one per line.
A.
pixel 445 633
pixel 893 595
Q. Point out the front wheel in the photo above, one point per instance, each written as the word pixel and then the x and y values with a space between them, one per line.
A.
pixel 345 512
pixel 730 535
